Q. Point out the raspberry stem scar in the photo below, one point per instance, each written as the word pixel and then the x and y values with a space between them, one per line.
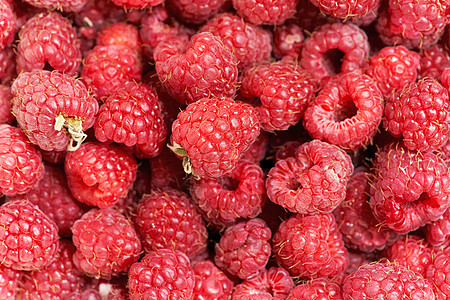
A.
pixel 75 129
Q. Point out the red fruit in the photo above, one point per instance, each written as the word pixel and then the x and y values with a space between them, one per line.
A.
pixel 69 6
pixel 137 4
pixel 7 65
pixel 211 283
pixel 316 289
pixel 437 232
pixel 5 105
pixel 107 244
pixel 257 151
pixel 348 10
pixel 166 171
pixel 119 34
pixel 438 274
pixel 10 280
pixel 288 41
pixel 160 275
pixel 7 24
pixel 270 12
pixel 433 61
pixel 195 11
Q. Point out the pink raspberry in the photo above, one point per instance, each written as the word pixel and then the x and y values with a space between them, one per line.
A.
pixel 316 289
pixel 438 274
pixel 433 61
pixel 353 10
pixel 288 41
pixel 438 232
pixel 7 24
pixel 166 171
pixel 68 6
pixel 196 11
pixel 7 65
pixel 211 283
pixel 6 117
pixel 270 12
pixel 10 280
pixel 137 4
pixel 119 34
pixel 257 151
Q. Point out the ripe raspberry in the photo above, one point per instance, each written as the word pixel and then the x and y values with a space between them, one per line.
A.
pixel 7 65
pixel 132 116
pixel 240 194
pixel 352 10
pixel 282 91
pixel 195 11
pixel 310 246
pixel 212 134
pixel 286 150
pixel 438 232
pixel 346 112
pixel 119 34
pixel 384 281
pixel 7 24
pixel 107 244
pixel 207 68
pixel 211 283
pixel 316 289
pixel 53 157
pixel 67 6
pixel 438 274
pixel 400 196
pixel 5 105
pixel 137 4
pixel 166 171
pixel 249 43
pixel 420 113
pixel 270 12
pixel 53 109
pixel 392 68
pixel 28 238
pixel 257 151
pixel 163 274
pixel 100 174
pixel 311 182
pixel 48 38
pixel 9 281
pixel 433 61
pixel 288 41
pixel 21 165
pixel 244 248
pixel 308 16
pixel 329 41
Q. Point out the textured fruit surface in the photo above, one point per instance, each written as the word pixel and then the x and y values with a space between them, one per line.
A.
pixel 316 289
pixel 347 9
pixel 195 11
pixel 211 283
pixel 438 274
pixel 7 26
pixel 437 232
pixel 265 11
pixel 71 5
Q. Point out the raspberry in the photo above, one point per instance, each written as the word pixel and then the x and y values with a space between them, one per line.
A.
pixel 286 150
pixel 119 34
pixel 283 91
pixel 352 10
pixel 346 112
pixel 69 6
pixel 409 189
pixel 211 283
pixel 100 174
pixel 48 38
pixel 195 11
pixel 438 274
pixel 257 151
pixel 329 41
pixel 270 12
pixel 311 182
pixel 137 4
pixel 240 194
pixel 249 43
pixel 132 116
pixel 166 171
pixel 53 109
pixel 438 232
pixel 433 61
pixel 106 243
pixel 10 280
pixel 206 68
pixel 28 238
pixel 163 274
pixel 7 24
pixel 420 113
pixel 316 289
pixel 168 219
pixel 288 41
pixel 310 246
pixel 21 165
pixel 5 105
pixel 244 248
pixel 384 280
pixel 212 134
pixel 7 65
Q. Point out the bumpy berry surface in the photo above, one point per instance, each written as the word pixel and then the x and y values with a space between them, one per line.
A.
pixel 437 232
pixel 353 10
pixel 166 171
pixel 265 11
pixel 137 4
pixel 288 41
pixel 7 26
pixel 433 61
pixel 195 11
pixel 316 289
pixel 71 5
pixel 211 283
pixel 5 105
pixel 438 274
pixel 119 34
pixel 7 65
pixel 10 280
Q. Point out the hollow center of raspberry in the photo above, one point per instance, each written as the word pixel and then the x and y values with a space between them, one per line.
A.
pixel 332 60
pixel 228 183
pixel 345 110
pixel 293 185
pixel 48 67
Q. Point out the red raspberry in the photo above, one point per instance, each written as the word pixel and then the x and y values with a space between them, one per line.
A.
pixel 132 116
pixel 438 274
pixel 270 12
pixel 211 283
pixel 212 134
pixel 100 174
pixel 249 43
pixel 282 91
pixel 438 232
pixel 311 182
pixel 53 109
pixel 28 238
pixel 348 10
pixel 240 194
pixel 48 38
pixel 308 16
pixel 207 68
pixel 385 280
pixel 53 157
pixel 257 151
pixel 7 24
pixel 160 275
pixel 335 39
pixel 137 4
pixel 119 34
pixel 69 6
pixel 195 11
pixel 288 41
pixel 107 244
pixel 392 68
pixel 21 165
pixel 166 171
pixel 5 105
pixel 355 261
pixel 286 150
pixel 346 112
pixel 310 246
pixel 7 65
pixel 316 289
pixel 433 61
pixel 400 196
pixel 244 248
pixel 10 280
pixel 421 114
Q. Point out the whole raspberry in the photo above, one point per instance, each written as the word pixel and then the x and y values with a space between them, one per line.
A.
pixel 195 11
pixel 316 289
pixel 433 61
pixel 132 116
pixel 409 189
pixel 48 38
pixel 270 12
pixel 21 165
pixel 311 182
pixel 310 246
pixel 244 248
pixel 160 275
pixel 53 109
pixel 288 41
pixel 119 34
pixel 346 112
pixel 438 232
pixel 249 43
pixel 107 244
pixel 28 238
pixel 211 135
pixel 68 6
pixel 392 68
pixel 348 10
pixel 5 105
pixel 100 174
pixel 282 91
pixel 438 274
pixel 257 151
pixel 384 281
pixel 211 283
pixel 137 4
pixel 239 194
pixel 206 68
pixel 7 24
pixel 329 43
pixel 7 65
pixel 421 114
pixel 9 282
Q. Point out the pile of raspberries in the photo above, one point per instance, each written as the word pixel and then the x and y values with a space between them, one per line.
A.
pixel 224 149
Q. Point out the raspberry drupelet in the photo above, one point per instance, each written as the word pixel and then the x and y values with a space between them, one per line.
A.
pixel 7 24
pixel 438 232
pixel 7 65
pixel 137 4
pixel 67 6
pixel 10 280
pixel 211 283
pixel 119 34
pixel 352 10
pixel 316 289
pixel 196 11
pixel 433 61
pixel 269 12
pixel 438 274
pixel 288 41
pixel 6 117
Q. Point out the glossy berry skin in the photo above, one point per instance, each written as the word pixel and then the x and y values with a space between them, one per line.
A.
pixel 10 280
pixel 160 275
pixel 268 12
pixel 195 11
pixel 316 289
pixel 288 41
pixel 437 274
pixel 211 283
pixel 137 4
pixel 7 65
pixel 50 5
pixel 353 10
pixel 433 61
pixel 29 239
pixel 7 26
pixel 206 68
pixel 119 34
pixel 107 243
pixel 6 117
pixel 437 232
pixel 21 165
